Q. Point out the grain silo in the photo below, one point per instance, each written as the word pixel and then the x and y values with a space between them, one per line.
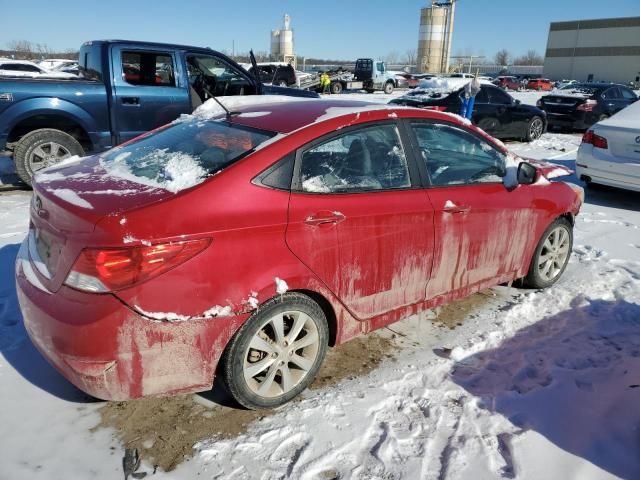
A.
pixel 436 32
pixel 282 43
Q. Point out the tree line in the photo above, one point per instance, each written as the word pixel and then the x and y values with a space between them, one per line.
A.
pixel 26 50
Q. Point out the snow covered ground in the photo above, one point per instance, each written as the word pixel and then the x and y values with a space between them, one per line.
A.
pixel 530 384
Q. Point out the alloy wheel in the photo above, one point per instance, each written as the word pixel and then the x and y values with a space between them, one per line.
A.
pixel 535 129
pixel 46 155
pixel 554 254
pixel 281 354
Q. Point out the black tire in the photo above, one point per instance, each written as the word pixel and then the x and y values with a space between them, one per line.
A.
pixel 388 88
pixel 535 129
pixel 336 88
pixel 233 360
pixel 370 90
pixel 534 278
pixel 25 157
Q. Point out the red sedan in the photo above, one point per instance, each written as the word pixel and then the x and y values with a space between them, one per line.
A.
pixel 540 84
pixel 242 246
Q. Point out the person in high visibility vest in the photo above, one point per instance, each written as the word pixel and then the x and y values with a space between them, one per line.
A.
pixel 325 82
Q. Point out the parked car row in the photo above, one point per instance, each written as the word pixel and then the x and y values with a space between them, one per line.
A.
pixel 495 111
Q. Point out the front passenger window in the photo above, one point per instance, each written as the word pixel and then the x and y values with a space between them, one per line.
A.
pixel 456 157
pixel 370 158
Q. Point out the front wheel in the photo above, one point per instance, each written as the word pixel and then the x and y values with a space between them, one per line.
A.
pixel 41 149
pixel 534 129
pixel 336 88
pixel 276 354
pixel 388 88
pixel 551 256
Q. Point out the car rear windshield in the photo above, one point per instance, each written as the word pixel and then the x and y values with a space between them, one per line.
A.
pixel 583 88
pixel 182 154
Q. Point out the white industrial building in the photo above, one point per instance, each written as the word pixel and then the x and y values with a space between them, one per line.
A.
pixel 282 43
pixel 606 49
pixel 435 36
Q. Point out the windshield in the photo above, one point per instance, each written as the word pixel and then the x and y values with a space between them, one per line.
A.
pixel 183 154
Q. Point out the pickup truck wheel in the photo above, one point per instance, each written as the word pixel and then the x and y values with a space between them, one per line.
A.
pixel 41 149
pixel 336 88
pixel 388 88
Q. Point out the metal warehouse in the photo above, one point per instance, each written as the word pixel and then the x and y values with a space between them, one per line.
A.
pixel 605 49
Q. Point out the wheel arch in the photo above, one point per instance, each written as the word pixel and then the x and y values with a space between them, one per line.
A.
pixel 329 312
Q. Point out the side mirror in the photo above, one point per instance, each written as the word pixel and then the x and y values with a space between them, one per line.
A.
pixel 527 173
pixel 517 102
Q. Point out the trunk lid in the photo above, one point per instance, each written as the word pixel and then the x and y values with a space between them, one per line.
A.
pixel 67 204
pixel 561 103
pixel 623 141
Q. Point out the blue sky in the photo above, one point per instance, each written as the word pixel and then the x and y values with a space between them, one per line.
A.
pixel 339 29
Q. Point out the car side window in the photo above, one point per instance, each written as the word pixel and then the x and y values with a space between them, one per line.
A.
pixel 628 94
pixel 370 158
pixel 211 77
pixel 482 96
pixel 498 96
pixel 454 156
pixel 148 68
pixel 611 94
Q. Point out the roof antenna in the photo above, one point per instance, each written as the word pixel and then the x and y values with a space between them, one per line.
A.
pixel 227 111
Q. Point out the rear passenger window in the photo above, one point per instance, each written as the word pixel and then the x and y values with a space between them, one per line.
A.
pixel 499 97
pixel 370 158
pixel 612 94
pixel 628 94
pixel 148 68
pixel 456 157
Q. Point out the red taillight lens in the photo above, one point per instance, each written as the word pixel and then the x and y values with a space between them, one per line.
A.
pixel 112 269
pixel 587 106
pixel 438 108
pixel 595 140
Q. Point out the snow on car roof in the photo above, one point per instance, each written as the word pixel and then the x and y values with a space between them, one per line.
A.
pixel 279 113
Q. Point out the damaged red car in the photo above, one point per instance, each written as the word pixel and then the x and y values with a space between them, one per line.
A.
pixel 240 245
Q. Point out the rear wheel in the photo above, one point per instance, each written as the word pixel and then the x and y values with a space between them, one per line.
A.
pixel 388 88
pixel 276 354
pixel 551 256
pixel 336 88
pixel 41 149
pixel 534 129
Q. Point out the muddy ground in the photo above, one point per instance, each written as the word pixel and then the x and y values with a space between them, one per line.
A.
pixel 164 430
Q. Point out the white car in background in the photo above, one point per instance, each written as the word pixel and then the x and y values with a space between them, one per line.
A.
pixel 610 151
pixel 55 63
pixel 24 68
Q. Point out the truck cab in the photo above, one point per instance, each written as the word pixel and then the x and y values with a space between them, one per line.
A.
pixel 125 88
pixel 374 75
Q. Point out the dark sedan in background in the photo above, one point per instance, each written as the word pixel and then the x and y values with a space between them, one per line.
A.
pixel 584 104
pixel 495 111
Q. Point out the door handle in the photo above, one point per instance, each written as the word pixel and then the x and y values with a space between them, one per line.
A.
pixel 451 207
pixel 324 218
pixel 135 101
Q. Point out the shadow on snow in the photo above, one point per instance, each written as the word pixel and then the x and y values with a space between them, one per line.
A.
pixel 15 345
pixel 574 378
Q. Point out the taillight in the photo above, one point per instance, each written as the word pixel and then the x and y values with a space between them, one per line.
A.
pixel 587 106
pixel 111 269
pixel 438 108
pixel 595 140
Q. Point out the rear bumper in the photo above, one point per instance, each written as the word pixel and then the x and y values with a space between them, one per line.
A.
pixel 602 168
pixel 109 351
pixel 577 120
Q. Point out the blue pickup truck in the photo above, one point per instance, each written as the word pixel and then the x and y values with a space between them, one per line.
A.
pixel 126 88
